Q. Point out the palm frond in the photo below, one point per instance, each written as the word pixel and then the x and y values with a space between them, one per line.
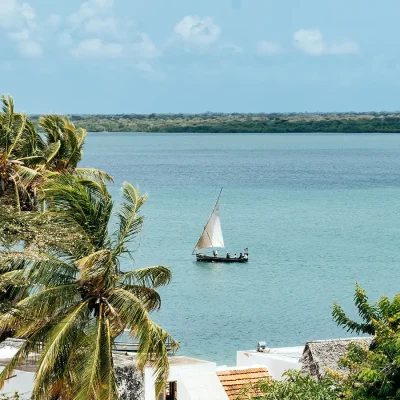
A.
pixel 51 125
pixel 51 151
pixel 88 205
pixel 14 260
pixel 56 350
pixel 154 342
pixel 130 222
pixel 97 267
pixel 13 279
pixel 21 129
pixel 97 373
pixel 24 176
pixel 149 297
pixel 94 174
pixel 48 302
pixel 151 276
pixel 90 371
pixel 7 115
pixel 154 346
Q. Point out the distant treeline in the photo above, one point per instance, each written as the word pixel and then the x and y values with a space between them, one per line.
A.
pixel 247 123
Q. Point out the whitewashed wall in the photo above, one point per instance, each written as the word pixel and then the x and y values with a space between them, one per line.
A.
pixel 197 381
pixel 276 363
pixel 21 383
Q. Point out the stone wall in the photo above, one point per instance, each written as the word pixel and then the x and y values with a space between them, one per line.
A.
pixel 130 383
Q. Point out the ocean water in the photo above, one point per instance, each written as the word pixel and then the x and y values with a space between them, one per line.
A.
pixel 317 211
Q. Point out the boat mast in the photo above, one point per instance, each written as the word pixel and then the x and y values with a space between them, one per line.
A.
pixel 204 229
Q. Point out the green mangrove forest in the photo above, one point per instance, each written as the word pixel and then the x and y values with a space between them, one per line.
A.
pixel 374 122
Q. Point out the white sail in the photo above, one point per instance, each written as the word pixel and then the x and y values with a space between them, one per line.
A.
pixel 212 234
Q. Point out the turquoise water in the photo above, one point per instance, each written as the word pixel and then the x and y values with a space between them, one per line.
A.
pixel 318 213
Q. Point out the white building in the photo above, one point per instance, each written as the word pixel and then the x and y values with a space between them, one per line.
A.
pixel 189 378
pixel 193 379
pixel 277 360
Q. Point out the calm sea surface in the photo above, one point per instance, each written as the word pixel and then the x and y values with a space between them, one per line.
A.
pixel 318 213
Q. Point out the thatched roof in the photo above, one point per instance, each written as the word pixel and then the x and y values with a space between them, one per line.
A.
pixel 321 354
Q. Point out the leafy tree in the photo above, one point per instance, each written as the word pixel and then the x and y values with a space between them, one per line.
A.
pixel 370 373
pixel 383 311
pixel 79 299
pixel 216 122
pixel 295 387
pixel 374 372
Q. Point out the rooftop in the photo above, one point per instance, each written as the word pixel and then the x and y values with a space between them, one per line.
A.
pixel 320 355
pixel 234 380
pixel 122 358
pixel 291 352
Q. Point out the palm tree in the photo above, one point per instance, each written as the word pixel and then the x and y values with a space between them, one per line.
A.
pixel 27 159
pixel 65 140
pixel 19 144
pixel 80 300
pixel 63 151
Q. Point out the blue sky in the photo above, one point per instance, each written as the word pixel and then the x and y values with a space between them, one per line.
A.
pixel 143 56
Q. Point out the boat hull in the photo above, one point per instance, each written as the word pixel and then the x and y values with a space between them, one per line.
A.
pixel 205 258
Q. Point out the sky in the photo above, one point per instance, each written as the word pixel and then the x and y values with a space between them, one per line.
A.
pixel 187 56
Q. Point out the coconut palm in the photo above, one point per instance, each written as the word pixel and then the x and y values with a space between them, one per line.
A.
pixel 65 140
pixel 80 299
pixel 29 159
pixel 19 144
pixel 64 150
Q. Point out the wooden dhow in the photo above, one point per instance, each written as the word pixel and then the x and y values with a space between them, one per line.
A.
pixel 213 239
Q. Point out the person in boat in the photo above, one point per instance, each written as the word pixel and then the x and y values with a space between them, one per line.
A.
pixel 245 256
pixel 240 256
pixel 228 255
pixel 235 255
pixel 215 253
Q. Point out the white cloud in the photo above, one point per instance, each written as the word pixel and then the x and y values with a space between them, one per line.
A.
pixel 197 31
pixel 27 46
pixel 312 42
pixel 89 9
pixel 101 25
pixel 141 49
pixel 8 11
pixel 64 39
pixel 14 14
pixel 18 19
pixel 144 47
pixel 30 48
pixel 96 48
pixel 54 21
pixel 19 36
pixel 267 47
pixel 104 4
pixel 94 32
pixel 28 13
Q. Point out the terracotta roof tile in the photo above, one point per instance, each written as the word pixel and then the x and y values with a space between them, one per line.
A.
pixel 233 381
